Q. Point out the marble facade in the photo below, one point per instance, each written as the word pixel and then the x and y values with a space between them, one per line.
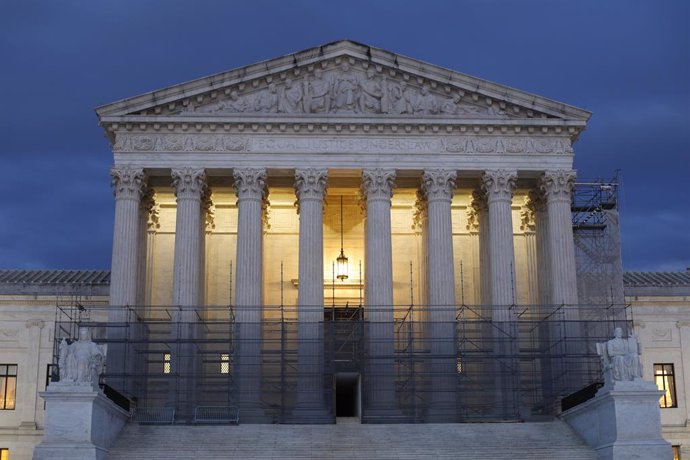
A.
pixel 402 137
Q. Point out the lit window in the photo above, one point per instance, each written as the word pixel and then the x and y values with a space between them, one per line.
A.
pixel 665 380
pixel 4 454
pixel 166 363
pixel 8 386
pixel 225 363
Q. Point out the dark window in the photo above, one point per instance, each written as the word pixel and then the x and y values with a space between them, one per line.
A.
pixel 49 374
pixel 665 380
pixel 8 386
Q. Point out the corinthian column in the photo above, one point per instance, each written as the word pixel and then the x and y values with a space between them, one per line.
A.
pixel 557 187
pixel 129 185
pixel 250 188
pixel 190 186
pixel 190 189
pixel 437 186
pixel 498 186
pixel 310 188
pixel 377 190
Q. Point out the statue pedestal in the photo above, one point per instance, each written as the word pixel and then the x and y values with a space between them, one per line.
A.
pixel 622 422
pixel 80 423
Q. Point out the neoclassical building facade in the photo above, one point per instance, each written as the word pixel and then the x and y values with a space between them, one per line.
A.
pixel 247 167
pixel 437 196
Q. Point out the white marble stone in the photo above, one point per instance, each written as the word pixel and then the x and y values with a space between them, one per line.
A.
pixel 622 423
pixel 310 188
pixel 377 190
pixel 80 423
pixel 250 187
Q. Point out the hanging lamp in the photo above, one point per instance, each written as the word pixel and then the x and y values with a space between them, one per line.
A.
pixel 341 261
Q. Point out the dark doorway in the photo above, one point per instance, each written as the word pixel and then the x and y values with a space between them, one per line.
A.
pixel 347 394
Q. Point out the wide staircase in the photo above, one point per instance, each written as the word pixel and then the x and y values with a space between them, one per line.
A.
pixel 349 439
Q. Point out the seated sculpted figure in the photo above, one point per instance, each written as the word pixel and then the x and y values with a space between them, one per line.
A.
pixel 81 362
pixel 620 357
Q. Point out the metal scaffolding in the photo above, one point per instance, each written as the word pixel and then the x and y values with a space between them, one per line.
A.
pixel 181 361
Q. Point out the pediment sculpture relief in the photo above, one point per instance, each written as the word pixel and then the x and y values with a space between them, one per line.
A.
pixel 346 91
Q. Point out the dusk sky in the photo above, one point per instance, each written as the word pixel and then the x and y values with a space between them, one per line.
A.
pixel 627 61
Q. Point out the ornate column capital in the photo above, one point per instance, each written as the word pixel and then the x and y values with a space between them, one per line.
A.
pixel 438 184
pixel 250 183
pixel 499 184
pixel 557 185
pixel 189 183
pixel 127 182
pixel 209 209
pixel 477 206
pixel 419 216
pixel 310 184
pixel 378 184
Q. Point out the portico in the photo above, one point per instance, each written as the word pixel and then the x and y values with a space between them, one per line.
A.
pixel 455 192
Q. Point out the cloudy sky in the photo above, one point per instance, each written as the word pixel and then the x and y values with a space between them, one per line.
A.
pixel 627 61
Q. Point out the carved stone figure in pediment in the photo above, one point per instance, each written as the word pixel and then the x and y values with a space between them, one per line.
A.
pixel 317 94
pixel 373 96
pixel 426 103
pixel 449 106
pixel 234 104
pixel 267 100
pixel 346 91
pixel 291 97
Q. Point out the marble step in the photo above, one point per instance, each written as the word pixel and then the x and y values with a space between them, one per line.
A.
pixel 348 439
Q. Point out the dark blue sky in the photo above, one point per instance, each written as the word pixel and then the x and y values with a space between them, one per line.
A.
pixel 627 61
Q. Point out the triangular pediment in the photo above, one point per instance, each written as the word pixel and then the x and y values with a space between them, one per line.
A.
pixel 342 79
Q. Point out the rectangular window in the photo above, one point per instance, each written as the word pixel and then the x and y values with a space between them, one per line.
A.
pixel 8 386
pixel 49 374
pixel 224 363
pixel 4 454
pixel 676 452
pixel 166 363
pixel 666 381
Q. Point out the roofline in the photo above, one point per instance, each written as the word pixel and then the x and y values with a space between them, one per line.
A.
pixel 331 50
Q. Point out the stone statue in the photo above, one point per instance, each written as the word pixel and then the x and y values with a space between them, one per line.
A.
pixel 345 91
pixel 233 105
pixel 426 103
pixel 620 358
pixel 317 94
pixel 449 106
pixel 81 362
pixel 373 97
pixel 267 100
pixel 291 98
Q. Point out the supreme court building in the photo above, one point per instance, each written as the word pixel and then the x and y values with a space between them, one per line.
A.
pixel 347 231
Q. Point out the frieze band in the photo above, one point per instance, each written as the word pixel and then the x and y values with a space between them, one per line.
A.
pixel 228 143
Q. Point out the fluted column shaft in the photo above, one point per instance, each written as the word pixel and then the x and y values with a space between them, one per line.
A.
pixel 250 188
pixel 557 187
pixel 481 211
pixel 437 186
pixel 310 188
pixel 190 186
pixel 377 189
pixel 538 205
pixel 129 185
pixel 498 186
